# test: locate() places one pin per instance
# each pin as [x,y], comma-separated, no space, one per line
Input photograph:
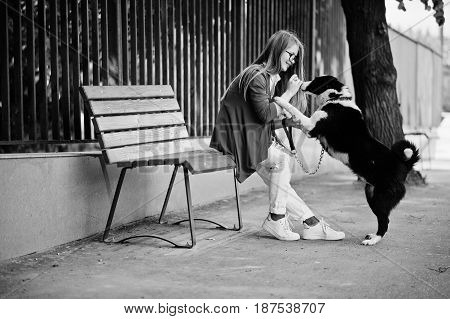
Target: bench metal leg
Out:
[114,203]
[169,191]
[220,226]
[189,205]
[191,219]
[105,176]
[238,206]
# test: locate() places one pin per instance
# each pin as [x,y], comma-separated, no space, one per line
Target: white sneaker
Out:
[279,228]
[321,231]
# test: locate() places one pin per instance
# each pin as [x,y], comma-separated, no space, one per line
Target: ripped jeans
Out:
[276,173]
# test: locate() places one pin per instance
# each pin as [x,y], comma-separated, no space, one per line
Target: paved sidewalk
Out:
[411,262]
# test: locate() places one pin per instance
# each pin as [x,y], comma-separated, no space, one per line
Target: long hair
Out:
[269,61]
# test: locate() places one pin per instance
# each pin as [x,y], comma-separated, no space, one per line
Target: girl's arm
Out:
[297,116]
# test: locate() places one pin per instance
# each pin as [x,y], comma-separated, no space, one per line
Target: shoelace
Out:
[325,226]
[287,224]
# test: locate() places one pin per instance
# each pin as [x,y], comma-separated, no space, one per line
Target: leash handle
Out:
[289,135]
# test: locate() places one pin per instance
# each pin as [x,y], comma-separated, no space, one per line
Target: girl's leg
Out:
[283,199]
[276,173]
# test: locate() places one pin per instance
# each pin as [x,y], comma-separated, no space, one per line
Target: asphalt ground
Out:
[412,261]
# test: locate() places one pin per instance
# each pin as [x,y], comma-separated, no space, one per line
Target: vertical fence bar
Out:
[30,75]
[163,37]
[236,36]
[95,39]
[186,66]
[54,39]
[217,61]
[76,69]
[85,61]
[198,106]
[141,45]
[179,54]
[118,41]
[124,40]
[296,14]
[105,43]
[18,115]
[85,40]
[204,116]
[65,96]
[228,48]
[157,40]
[264,15]
[272,29]
[312,40]
[258,27]
[223,77]
[212,70]
[193,52]
[149,38]
[249,31]
[42,87]
[274,9]
[255,7]
[278,14]
[242,35]
[255,29]
[171,44]
[133,41]
[4,69]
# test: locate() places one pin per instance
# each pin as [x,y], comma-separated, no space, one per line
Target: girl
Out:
[247,127]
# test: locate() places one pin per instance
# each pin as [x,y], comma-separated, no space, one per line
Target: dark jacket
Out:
[243,129]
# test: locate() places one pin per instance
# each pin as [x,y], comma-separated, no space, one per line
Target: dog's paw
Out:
[371,240]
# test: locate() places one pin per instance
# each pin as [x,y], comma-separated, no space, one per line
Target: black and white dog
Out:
[341,130]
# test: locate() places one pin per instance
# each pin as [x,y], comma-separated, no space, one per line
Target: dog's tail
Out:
[407,151]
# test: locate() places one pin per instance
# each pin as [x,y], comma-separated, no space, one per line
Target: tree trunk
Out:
[373,70]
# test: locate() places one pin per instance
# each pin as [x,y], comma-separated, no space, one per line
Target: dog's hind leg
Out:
[371,239]
[381,200]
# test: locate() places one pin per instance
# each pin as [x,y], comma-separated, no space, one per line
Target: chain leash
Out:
[302,166]
[295,155]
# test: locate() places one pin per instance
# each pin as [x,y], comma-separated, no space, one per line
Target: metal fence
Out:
[419,81]
[50,48]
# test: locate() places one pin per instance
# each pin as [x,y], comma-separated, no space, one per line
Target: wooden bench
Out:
[143,126]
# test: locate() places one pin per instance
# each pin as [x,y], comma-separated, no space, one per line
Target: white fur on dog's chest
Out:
[345,103]
[342,157]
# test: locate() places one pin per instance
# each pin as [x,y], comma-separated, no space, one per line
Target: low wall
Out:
[51,199]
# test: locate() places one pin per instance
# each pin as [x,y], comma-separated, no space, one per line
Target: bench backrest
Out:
[137,122]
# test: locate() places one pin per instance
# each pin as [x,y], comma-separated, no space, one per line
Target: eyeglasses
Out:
[292,56]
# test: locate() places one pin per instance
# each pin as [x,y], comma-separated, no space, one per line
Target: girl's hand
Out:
[293,84]
[286,114]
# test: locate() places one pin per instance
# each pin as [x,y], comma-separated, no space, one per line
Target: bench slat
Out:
[146,152]
[126,138]
[117,107]
[208,162]
[200,161]
[127,92]
[130,122]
